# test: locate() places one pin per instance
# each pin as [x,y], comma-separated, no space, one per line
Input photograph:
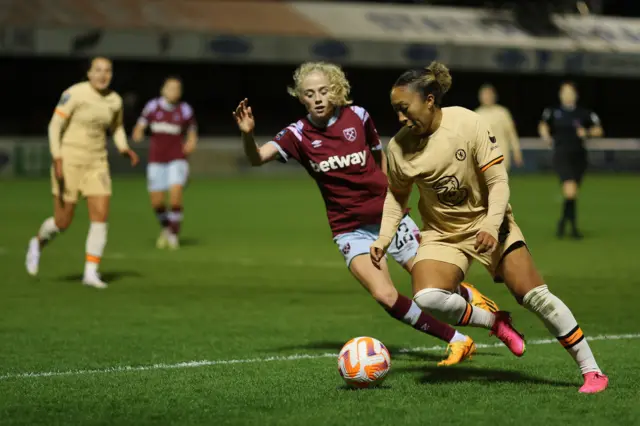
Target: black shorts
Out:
[570,165]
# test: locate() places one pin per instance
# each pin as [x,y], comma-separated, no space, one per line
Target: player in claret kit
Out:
[337,143]
[456,163]
[169,120]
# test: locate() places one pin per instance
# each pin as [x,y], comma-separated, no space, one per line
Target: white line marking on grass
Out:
[631,336]
[296,357]
[239,261]
[232,261]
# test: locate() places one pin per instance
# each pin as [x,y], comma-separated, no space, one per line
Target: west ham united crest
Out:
[350,134]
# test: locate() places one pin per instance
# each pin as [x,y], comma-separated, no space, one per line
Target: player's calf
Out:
[163,219]
[162,215]
[407,311]
[48,231]
[378,283]
[559,320]
[175,220]
[525,282]
[96,242]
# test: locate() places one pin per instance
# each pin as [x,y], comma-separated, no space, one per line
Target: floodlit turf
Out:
[260,295]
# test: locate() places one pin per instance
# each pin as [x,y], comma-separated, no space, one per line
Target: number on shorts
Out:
[403,236]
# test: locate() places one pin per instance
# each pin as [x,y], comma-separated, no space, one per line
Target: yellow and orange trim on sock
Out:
[572,338]
[466,316]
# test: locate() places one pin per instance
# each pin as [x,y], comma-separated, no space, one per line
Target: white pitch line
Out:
[238,261]
[630,336]
[296,357]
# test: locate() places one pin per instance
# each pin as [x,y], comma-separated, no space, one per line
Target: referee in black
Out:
[565,128]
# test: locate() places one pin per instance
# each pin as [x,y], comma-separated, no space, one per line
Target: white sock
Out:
[48,231]
[458,337]
[452,308]
[559,320]
[96,240]
[175,218]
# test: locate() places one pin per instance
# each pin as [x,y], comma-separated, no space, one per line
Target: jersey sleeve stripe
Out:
[360,112]
[142,121]
[492,163]
[187,111]
[283,155]
[377,147]
[150,107]
[295,131]
[61,113]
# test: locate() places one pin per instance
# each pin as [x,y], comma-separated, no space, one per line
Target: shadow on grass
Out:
[439,375]
[108,277]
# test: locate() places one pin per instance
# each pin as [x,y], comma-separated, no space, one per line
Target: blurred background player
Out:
[502,125]
[338,145]
[169,119]
[464,202]
[565,128]
[77,140]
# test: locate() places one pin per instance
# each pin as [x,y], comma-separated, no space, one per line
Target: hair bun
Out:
[441,75]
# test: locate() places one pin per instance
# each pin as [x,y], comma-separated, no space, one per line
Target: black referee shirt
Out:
[563,123]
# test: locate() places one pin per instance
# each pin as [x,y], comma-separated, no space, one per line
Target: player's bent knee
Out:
[385,296]
[63,218]
[429,273]
[442,304]
[539,299]
[62,223]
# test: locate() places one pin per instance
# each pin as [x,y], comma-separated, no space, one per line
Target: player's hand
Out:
[133,157]
[188,148]
[137,137]
[57,168]
[377,251]
[581,132]
[244,117]
[517,159]
[485,242]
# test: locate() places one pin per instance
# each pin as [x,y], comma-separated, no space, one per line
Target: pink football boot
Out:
[594,382]
[504,331]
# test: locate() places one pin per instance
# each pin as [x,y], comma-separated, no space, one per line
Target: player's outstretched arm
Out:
[544,131]
[63,111]
[55,133]
[257,156]
[191,141]
[120,138]
[395,205]
[496,178]
[514,140]
[138,131]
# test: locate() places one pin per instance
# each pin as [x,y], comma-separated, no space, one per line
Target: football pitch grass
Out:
[242,325]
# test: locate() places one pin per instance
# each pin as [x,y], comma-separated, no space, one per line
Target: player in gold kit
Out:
[454,159]
[502,125]
[77,140]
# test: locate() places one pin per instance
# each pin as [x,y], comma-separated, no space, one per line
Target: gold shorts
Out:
[87,179]
[463,253]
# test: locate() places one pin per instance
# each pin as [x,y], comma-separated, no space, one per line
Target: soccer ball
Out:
[364,362]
